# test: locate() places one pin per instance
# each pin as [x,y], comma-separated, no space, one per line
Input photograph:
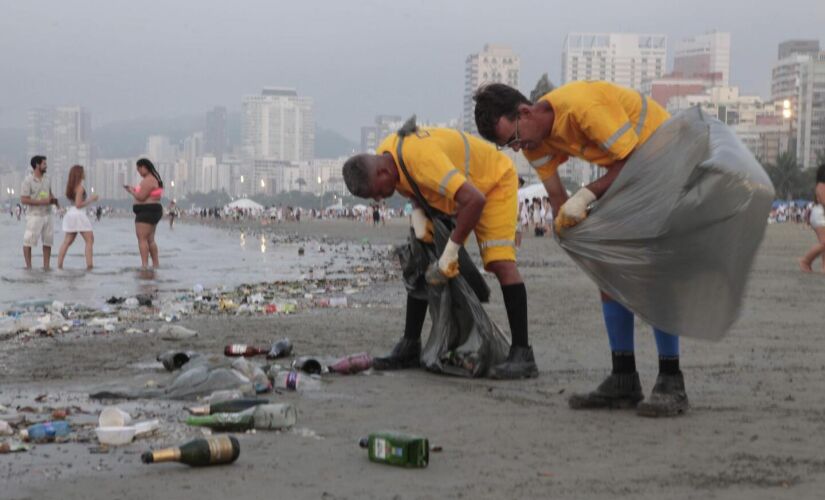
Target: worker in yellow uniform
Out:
[604,124]
[467,178]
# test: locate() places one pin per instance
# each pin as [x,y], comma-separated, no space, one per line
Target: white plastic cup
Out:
[112,416]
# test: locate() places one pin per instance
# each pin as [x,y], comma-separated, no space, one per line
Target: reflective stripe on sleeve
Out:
[442,186]
[466,154]
[497,243]
[642,115]
[540,162]
[616,136]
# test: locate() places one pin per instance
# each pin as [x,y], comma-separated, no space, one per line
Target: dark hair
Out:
[357,176]
[37,160]
[75,176]
[143,162]
[820,173]
[492,102]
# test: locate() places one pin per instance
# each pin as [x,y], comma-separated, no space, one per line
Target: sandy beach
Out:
[756,428]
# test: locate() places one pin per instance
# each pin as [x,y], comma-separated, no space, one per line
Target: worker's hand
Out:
[419,223]
[447,266]
[574,209]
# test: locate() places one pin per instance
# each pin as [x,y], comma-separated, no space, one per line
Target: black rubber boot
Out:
[520,363]
[667,399]
[619,390]
[405,354]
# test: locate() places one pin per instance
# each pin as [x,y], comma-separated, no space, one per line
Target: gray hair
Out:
[356,176]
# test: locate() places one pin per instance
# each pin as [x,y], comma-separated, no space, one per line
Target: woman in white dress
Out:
[817,222]
[76,221]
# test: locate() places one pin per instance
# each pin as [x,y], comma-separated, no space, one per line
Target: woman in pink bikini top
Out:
[148,210]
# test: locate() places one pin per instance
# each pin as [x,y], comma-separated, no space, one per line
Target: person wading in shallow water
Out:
[76,221]
[462,175]
[148,210]
[36,193]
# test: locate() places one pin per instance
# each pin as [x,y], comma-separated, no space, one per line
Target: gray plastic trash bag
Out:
[675,236]
[463,340]
[196,379]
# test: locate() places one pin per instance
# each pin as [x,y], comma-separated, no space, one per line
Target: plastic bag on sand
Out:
[197,379]
[463,340]
[674,237]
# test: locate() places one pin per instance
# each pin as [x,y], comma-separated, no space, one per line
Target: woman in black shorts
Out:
[148,210]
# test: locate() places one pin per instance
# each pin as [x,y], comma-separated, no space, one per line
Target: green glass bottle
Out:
[399,449]
[264,417]
[216,450]
[224,422]
[229,406]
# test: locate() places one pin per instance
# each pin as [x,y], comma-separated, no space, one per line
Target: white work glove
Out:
[574,209]
[447,266]
[419,223]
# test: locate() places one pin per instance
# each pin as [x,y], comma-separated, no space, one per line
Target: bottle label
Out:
[292,381]
[237,348]
[220,449]
[379,448]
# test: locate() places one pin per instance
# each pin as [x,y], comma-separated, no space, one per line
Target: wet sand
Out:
[756,428]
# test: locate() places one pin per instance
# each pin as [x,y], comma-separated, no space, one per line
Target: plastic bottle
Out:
[394,448]
[46,431]
[264,417]
[198,452]
[352,364]
[280,349]
[296,381]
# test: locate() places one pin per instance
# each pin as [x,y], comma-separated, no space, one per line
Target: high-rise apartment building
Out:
[798,86]
[802,47]
[63,135]
[215,133]
[278,125]
[704,56]
[627,59]
[160,149]
[494,64]
[372,135]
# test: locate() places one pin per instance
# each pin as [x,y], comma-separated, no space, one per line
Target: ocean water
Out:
[189,254]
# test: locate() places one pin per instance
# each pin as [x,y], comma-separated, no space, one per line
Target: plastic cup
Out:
[112,416]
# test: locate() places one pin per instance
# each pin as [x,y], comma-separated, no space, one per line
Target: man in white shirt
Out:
[36,192]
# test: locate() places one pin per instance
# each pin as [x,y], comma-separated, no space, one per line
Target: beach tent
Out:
[244,204]
[359,208]
[338,207]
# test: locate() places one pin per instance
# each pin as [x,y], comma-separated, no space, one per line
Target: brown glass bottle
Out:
[217,450]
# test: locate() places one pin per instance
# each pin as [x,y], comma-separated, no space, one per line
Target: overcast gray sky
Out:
[127,59]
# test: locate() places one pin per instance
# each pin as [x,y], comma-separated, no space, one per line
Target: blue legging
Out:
[619,322]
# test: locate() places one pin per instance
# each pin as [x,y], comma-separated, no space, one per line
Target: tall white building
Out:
[798,85]
[703,55]
[278,125]
[63,135]
[108,176]
[160,149]
[494,64]
[626,59]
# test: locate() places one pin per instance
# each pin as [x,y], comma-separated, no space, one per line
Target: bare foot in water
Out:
[805,266]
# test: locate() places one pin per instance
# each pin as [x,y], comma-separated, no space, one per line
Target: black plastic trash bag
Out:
[463,340]
[674,237]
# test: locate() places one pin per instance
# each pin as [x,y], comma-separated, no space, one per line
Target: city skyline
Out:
[145,65]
